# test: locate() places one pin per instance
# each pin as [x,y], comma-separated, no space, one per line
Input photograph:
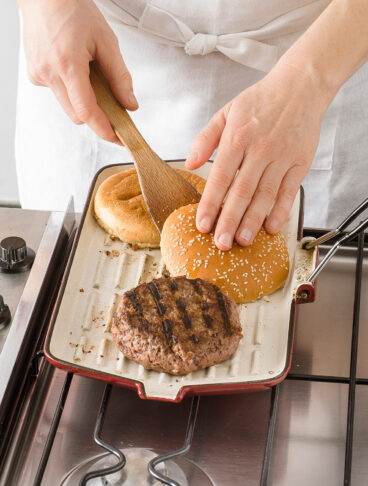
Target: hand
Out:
[266,138]
[61,37]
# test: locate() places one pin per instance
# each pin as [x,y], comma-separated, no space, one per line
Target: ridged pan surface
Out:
[102,269]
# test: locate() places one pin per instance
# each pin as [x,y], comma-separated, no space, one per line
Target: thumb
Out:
[206,141]
[111,61]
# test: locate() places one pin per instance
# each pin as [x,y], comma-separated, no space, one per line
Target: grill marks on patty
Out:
[206,317]
[167,325]
[134,299]
[222,305]
[159,290]
[155,292]
[196,286]
[176,325]
[208,320]
[132,296]
[180,304]
[167,328]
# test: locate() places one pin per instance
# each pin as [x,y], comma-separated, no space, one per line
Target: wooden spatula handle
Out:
[121,122]
[163,189]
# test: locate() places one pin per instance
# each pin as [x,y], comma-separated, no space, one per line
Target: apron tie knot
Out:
[201,44]
[242,47]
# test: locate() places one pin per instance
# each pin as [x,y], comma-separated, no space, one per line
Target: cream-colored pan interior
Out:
[102,269]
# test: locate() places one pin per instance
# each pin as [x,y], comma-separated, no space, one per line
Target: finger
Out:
[285,199]
[261,203]
[34,78]
[206,142]
[237,201]
[110,60]
[60,92]
[227,161]
[83,101]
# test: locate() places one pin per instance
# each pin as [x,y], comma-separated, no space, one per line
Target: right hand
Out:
[61,37]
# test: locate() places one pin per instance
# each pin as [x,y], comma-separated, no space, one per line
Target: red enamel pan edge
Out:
[215,389]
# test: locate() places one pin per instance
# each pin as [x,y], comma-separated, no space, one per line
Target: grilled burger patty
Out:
[176,325]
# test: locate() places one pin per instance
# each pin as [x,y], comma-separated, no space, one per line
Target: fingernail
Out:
[205,224]
[193,157]
[225,240]
[133,99]
[245,234]
[274,224]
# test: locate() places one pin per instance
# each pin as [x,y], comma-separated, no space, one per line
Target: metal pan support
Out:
[360,228]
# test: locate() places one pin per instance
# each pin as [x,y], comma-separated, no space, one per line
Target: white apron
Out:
[187,60]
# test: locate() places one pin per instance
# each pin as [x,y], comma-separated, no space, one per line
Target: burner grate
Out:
[353,363]
[171,455]
[53,428]
[101,473]
[96,435]
[350,380]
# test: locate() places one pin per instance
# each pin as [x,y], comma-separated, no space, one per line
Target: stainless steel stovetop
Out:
[310,430]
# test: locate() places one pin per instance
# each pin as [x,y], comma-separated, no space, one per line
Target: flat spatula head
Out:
[163,189]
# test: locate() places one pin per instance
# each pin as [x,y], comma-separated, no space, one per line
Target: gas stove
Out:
[58,429]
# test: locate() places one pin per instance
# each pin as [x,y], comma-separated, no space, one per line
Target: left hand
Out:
[266,138]
[61,37]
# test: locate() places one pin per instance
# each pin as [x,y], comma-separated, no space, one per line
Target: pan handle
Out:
[306,264]
[352,216]
[349,236]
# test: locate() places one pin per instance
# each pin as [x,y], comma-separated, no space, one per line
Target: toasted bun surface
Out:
[121,211]
[243,273]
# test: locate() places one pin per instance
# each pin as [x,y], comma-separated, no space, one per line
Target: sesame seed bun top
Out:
[243,273]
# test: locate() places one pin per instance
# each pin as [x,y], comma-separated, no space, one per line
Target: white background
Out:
[9,46]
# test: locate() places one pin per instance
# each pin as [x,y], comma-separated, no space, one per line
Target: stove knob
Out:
[4,314]
[13,250]
[15,257]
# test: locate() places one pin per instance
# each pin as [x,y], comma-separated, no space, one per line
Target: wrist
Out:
[24,4]
[304,77]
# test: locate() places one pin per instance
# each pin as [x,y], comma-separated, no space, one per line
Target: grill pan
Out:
[100,269]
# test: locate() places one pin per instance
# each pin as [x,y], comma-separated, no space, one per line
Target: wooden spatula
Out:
[163,189]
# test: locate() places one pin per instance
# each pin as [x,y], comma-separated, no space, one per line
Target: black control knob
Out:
[4,314]
[13,250]
[15,257]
